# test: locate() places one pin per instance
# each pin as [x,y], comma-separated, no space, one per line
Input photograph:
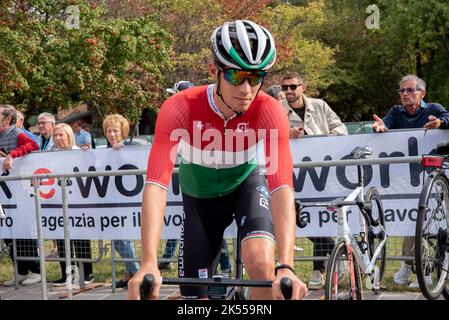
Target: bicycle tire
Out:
[242,293]
[338,284]
[374,234]
[430,256]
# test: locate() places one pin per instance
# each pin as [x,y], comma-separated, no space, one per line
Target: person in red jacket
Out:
[15,143]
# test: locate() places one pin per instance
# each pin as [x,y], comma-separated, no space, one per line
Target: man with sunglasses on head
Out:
[413,113]
[308,115]
[217,186]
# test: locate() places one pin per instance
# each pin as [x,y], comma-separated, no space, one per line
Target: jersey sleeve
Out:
[171,125]
[278,157]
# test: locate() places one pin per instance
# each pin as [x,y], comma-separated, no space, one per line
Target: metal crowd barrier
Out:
[41,257]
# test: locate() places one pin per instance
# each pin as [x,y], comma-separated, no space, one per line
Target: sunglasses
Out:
[408,90]
[292,87]
[237,77]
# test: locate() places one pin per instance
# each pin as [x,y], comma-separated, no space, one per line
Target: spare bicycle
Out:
[432,227]
[359,254]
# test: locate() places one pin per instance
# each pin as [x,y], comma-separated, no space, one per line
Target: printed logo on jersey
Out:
[242,222]
[202,273]
[242,127]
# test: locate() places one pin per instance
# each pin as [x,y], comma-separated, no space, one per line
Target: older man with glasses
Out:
[46,123]
[413,113]
[307,115]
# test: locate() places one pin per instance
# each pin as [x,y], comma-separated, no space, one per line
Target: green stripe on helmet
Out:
[244,65]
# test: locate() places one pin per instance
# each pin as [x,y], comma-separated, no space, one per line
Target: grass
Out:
[102,269]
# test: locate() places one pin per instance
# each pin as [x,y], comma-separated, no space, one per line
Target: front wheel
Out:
[432,239]
[343,280]
[376,234]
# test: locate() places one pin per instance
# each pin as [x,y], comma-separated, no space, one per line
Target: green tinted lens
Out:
[237,77]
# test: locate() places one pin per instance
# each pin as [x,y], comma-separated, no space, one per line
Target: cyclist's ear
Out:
[213,70]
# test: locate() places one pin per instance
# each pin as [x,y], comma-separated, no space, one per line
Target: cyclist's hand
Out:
[135,282]
[299,289]
[378,125]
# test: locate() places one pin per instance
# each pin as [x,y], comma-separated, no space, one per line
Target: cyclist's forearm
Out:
[153,205]
[282,204]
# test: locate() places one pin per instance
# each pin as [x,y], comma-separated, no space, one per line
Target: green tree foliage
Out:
[116,64]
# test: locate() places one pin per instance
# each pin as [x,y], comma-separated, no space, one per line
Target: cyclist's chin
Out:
[241,105]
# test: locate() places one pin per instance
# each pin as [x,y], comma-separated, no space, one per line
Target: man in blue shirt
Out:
[414,112]
[83,139]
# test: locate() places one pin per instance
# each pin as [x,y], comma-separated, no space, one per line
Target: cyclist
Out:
[209,126]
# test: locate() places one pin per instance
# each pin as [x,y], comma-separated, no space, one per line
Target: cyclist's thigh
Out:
[201,236]
[253,209]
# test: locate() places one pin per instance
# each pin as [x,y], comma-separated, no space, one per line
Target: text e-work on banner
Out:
[109,207]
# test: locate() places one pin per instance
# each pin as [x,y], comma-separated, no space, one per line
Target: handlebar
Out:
[148,281]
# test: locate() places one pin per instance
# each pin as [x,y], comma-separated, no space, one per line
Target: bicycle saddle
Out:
[361,152]
[442,148]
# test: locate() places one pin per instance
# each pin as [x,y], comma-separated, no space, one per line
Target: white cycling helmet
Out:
[243,44]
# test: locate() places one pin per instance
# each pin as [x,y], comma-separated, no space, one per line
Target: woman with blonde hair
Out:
[116,130]
[64,139]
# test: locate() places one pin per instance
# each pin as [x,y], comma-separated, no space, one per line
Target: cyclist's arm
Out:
[280,182]
[159,171]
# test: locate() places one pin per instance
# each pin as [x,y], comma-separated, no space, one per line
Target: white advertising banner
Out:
[109,207]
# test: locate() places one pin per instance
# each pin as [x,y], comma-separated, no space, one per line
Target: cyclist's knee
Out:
[259,265]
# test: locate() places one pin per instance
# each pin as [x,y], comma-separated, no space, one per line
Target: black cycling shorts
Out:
[205,220]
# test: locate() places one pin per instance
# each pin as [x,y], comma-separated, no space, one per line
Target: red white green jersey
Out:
[216,155]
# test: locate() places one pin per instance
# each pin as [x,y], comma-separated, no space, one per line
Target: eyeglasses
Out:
[237,77]
[41,123]
[408,90]
[292,87]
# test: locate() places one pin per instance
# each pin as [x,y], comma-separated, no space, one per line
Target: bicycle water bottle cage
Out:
[361,242]
[361,152]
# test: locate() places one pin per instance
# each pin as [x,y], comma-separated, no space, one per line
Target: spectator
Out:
[83,139]
[88,128]
[413,113]
[179,86]
[64,140]
[311,117]
[307,115]
[46,123]
[171,244]
[19,124]
[116,130]
[15,143]
[276,92]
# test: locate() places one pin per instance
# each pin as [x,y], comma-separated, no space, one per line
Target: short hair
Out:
[9,110]
[86,125]
[117,119]
[69,131]
[19,115]
[274,91]
[420,83]
[293,75]
[48,116]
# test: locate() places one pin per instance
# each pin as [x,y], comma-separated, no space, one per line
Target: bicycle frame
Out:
[356,197]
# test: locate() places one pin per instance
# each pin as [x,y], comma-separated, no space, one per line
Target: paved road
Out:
[104,292]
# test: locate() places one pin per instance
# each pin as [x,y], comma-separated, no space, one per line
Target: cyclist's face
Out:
[239,97]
